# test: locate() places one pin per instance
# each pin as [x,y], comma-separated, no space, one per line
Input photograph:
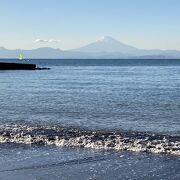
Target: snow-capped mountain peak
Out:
[107,44]
[107,39]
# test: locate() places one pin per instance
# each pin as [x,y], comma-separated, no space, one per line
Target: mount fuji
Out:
[108,44]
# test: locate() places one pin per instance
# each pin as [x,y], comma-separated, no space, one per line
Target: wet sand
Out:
[20,161]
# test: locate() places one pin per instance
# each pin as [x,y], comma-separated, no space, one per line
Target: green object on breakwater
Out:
[20,57]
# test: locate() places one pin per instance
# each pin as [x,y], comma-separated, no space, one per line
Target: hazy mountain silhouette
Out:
[106,47]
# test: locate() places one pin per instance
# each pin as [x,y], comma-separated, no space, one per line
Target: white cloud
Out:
[47,41]
[53,40]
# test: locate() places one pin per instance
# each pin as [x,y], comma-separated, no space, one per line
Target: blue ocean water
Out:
[140,95]
[104,105]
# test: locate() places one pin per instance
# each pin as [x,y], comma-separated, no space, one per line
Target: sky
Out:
[68,24]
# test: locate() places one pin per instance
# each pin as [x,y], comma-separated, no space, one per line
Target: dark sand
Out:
[50,162]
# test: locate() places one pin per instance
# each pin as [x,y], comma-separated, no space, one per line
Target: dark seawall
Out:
[17,66]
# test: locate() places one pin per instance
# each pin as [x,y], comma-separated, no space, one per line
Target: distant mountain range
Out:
[104,48]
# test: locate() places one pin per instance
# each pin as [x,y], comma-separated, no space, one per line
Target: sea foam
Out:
[98,139]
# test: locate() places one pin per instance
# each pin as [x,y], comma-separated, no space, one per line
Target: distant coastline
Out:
[105,48]
[137,58]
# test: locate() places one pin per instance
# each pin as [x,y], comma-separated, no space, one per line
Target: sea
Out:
[91,119]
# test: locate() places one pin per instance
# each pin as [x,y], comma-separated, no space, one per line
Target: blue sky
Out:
[145,24]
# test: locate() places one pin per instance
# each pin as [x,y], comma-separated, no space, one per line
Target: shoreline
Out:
[74,137]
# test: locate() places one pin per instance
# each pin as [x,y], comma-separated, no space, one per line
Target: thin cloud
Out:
[47,41]
[53,41]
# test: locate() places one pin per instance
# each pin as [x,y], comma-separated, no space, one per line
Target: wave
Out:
[96,139]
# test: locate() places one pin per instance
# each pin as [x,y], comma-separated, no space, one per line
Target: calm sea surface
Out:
[142,95]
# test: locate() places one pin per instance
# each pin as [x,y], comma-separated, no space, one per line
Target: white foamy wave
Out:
[74,137]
